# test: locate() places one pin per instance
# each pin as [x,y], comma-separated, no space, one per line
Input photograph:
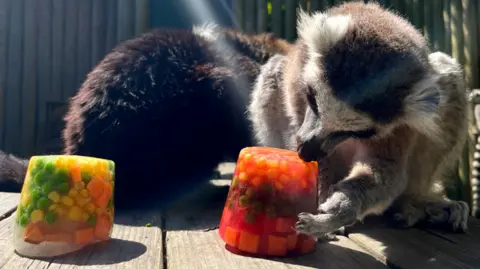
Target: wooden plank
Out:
[418,14]
[250,16]
[437,27]
[186,226]
[290,20]
[29,79]
[262,16]
[8,202]
[44,69]
[111,24]
[428,22]
[277,18]
[133,245]
[84,44]
[412,248]
[57,92]
[447,34]
[141,16]
[125,19]
[456,22]
[13,94]
[3,64]
[71,48]
[99,31]
[470,24]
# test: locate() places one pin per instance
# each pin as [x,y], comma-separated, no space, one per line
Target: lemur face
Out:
[364,72]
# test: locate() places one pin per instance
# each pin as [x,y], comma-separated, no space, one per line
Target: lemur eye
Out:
[310,94]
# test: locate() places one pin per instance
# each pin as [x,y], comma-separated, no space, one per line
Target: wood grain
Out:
[8,203]
[133,245]
[415,248]
[193,223]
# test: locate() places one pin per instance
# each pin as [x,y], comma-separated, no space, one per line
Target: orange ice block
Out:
[270,188]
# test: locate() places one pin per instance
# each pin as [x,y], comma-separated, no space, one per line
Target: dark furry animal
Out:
[167,107]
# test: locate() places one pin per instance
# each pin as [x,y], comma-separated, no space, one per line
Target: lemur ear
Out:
[422,104]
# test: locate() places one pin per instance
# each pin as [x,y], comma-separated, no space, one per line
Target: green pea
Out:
[21,209]
[30,209]
[50,168]
[35,195]
[86,176]
[34,171]
[48,187]
[61,176]
[257,207]
[23,220]
[111,166]
[39,179]
[249,192]
[110,203]
[63,188]
[92,220]
[243,200]
[50,217]
[39,163]
[249,218]
[43,203]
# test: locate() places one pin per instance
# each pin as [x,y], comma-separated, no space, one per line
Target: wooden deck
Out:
[186,237]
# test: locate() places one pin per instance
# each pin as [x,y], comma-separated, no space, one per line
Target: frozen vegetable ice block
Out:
[66,203]
[270,188]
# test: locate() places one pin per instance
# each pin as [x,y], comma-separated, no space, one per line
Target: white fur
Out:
[321,31]
[208,31]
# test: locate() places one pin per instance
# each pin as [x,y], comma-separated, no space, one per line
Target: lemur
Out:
[167,107]
[360,92]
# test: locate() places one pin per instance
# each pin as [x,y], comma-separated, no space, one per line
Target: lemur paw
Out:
[308,225]
[338,211]
[453,214]
[408,216]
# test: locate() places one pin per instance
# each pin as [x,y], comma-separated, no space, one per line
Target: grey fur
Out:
[403,165]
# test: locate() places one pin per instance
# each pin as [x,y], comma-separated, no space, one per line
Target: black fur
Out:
[167,107]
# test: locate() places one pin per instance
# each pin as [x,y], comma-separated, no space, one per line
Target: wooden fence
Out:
[46,49]
[451,26]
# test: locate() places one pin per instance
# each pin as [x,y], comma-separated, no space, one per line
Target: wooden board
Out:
[8,203]
[133,245]
[415,248]
[193,222]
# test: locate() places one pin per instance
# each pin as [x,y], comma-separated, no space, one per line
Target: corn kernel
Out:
[272,163]
[90,208]
[84,193]
[75,213]
[68,201]
[85,216]
[100,211]
[71,163]
[25,200]
[37,215]
[79,185]
[243,176]
[81,201]
[60,162]
[52,207]
[73,193]
[54,196]
[60,211]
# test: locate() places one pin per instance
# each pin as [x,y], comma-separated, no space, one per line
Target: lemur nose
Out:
[309,150]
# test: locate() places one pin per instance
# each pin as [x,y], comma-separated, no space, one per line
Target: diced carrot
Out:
[284,225]
[95,187]
[59,237]
[76,174]
[292,241]
[84,236]
[272,174]
[33,234]
[248,242]
[277,245]
[307,244]
[102,200]
[102,228]
[231,236]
